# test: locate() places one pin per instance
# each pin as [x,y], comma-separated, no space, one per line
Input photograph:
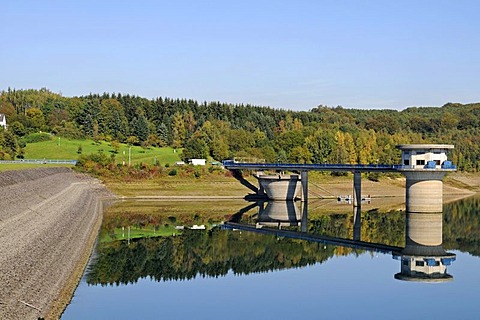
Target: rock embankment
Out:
[49,219]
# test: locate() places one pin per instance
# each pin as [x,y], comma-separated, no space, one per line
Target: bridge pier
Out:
[357,189]
[304,181]
[424,191]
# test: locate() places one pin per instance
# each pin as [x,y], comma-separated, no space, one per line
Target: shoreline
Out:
[65,296]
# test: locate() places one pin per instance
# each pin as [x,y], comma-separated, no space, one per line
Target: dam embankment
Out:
[49,219]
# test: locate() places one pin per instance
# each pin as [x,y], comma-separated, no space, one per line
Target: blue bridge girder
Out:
[354,244]
[231,165]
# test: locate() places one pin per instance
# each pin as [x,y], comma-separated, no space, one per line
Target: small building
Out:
[198,227]
[3,120]
[198,162]
[425,156]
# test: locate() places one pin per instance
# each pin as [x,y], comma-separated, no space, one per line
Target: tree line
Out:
[223,130]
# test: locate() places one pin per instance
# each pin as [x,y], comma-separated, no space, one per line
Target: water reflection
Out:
[422,259]
[137,280]
[281,235]
[279,214]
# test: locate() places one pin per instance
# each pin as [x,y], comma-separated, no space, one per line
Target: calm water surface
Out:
[220,273]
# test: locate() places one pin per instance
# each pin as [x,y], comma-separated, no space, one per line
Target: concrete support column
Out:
[424,191]
[357,189]
[304,180]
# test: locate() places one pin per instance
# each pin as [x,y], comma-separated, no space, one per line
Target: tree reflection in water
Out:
[216,252]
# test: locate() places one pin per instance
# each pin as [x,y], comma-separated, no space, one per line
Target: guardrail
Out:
[39,161]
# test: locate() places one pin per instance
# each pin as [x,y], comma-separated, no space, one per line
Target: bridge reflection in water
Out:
[422,259]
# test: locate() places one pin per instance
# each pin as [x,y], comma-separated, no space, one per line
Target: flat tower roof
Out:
[424,146]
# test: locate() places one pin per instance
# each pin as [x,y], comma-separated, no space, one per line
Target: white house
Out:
[3,120]
[198,162]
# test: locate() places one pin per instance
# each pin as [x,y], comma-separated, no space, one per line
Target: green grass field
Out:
[135,233]
[62,148]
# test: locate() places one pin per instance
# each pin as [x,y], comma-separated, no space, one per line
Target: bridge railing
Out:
[233,163]
[328,166]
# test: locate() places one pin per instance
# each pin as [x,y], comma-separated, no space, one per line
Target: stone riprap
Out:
[49,218]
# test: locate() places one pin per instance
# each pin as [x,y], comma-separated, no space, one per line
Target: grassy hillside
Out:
[68,149]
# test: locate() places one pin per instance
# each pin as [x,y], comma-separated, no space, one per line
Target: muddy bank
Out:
[49,219]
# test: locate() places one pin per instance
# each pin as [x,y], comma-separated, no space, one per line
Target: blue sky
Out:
[284,54]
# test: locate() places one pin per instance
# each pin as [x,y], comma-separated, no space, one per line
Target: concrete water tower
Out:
[424,166]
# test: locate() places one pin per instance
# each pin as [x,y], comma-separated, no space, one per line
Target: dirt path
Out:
[48,223]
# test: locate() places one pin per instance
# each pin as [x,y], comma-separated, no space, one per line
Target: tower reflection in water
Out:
[423,259]
[278,214]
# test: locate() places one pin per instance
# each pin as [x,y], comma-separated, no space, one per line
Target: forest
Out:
[218,131]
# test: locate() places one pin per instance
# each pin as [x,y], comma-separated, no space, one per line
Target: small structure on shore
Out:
[198,162]
[3,120]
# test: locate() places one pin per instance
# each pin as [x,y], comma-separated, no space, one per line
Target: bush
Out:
[374,176]
[37,137]
[90,161]
[172,172]
[197,174]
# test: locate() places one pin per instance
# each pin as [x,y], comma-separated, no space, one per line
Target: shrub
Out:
[197,174]
[94,161]
[172,172]
[37,137]
[374,176]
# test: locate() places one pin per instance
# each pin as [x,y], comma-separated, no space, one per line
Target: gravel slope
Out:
[48,222]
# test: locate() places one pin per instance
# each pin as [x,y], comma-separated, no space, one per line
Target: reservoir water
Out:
[281,260]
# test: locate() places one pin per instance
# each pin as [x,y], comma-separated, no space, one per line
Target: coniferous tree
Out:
[141,128]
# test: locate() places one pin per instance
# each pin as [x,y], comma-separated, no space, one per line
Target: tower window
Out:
[420,263]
